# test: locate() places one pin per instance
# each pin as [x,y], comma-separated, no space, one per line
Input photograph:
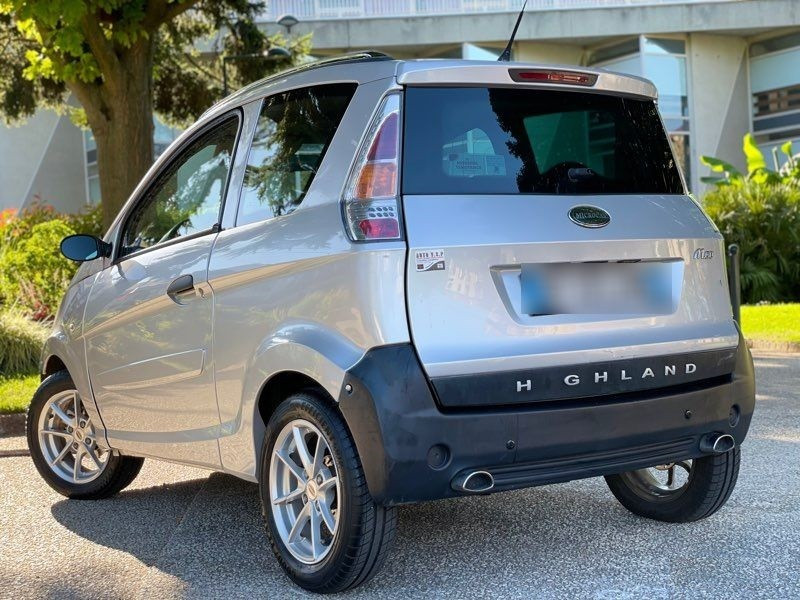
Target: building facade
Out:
[722,67]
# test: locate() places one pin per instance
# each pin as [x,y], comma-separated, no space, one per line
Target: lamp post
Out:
[275,53]
[287,21]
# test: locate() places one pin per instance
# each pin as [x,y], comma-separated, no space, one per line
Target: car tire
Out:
[49,437]
[710,482]
[363,530]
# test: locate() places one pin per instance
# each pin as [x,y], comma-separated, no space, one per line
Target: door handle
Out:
[184,283]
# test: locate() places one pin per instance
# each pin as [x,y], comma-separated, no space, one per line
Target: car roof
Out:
[362,67]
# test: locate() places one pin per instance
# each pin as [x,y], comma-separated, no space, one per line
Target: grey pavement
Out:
[180,532]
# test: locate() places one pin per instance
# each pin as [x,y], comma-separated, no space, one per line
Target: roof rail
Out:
[361,56]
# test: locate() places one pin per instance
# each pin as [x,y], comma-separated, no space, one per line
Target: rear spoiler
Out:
[520,74]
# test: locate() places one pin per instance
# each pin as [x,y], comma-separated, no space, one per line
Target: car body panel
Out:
[65,342]
[287,301]
[149,355]
[467,318]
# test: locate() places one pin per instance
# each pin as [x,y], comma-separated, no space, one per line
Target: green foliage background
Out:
[760,211]
[21,342]
[33,273]
[764,220]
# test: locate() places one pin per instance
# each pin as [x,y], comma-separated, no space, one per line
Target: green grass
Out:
[772,322]
[16,392]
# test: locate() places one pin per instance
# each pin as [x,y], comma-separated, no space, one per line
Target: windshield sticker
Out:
[429,260]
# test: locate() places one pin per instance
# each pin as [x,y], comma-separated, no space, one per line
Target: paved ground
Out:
[179,532]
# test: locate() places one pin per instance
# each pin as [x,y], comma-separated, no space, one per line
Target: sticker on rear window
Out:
[462,164]
[429,260]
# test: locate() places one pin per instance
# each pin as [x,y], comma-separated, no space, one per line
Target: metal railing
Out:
[321,10]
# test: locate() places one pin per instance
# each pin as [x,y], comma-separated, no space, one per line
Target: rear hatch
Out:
[553,251]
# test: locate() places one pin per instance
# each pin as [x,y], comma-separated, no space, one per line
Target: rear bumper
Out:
[412,450]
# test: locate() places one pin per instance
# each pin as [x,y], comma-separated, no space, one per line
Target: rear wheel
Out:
[63,443]
[678,492]
[325,529]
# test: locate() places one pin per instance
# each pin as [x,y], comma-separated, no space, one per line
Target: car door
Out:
[148,321]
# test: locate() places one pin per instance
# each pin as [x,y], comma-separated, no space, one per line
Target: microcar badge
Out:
[589,216]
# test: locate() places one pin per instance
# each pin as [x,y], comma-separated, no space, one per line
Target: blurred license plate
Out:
[600,288]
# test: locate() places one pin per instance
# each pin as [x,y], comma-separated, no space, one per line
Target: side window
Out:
[292,135]
[187,196]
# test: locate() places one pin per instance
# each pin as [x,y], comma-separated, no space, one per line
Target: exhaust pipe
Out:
[473,482]
[717,443]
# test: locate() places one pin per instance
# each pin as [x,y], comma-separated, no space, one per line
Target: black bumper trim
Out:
[395,421]
[590,465]
[592,380]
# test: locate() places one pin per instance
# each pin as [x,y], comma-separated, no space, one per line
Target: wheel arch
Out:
[52,364]
[298,356]
[62,353]
[275,390]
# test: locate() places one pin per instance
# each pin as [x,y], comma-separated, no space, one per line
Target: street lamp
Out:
[287,21]
[274,53]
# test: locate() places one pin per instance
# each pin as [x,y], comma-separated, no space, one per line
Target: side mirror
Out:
[83,247]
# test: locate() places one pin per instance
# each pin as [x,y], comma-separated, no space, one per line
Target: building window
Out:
[775,92]
[92,176]
[663,61]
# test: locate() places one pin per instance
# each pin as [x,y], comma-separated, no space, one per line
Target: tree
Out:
[124,59]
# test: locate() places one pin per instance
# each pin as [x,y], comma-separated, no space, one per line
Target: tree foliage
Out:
[123,59]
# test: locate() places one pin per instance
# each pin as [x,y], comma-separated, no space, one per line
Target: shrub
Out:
[757,169]
[21,341]
[18,224]
[764,220]
[89,221]
[33,273]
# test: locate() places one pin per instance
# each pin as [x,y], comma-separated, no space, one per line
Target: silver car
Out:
[369,282]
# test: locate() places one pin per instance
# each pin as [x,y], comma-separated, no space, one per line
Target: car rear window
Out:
[510,141]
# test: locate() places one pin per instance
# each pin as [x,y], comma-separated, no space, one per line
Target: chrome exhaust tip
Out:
[717,443]
[473,482]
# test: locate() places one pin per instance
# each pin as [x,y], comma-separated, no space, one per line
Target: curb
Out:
[771,346]
[11,425]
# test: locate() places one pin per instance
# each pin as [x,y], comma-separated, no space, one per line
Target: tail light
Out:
[371,200]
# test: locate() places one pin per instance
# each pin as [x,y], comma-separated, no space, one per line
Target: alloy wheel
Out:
[68,441]
[305,491]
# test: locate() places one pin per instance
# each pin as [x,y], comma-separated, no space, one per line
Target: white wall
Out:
[21,150]
[548,53]
[43,157]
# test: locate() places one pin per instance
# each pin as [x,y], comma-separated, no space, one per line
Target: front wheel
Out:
[678,492]
[64,447]
[325,529]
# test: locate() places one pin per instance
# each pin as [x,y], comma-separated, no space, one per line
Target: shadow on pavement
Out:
[210,535]
[139,521]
